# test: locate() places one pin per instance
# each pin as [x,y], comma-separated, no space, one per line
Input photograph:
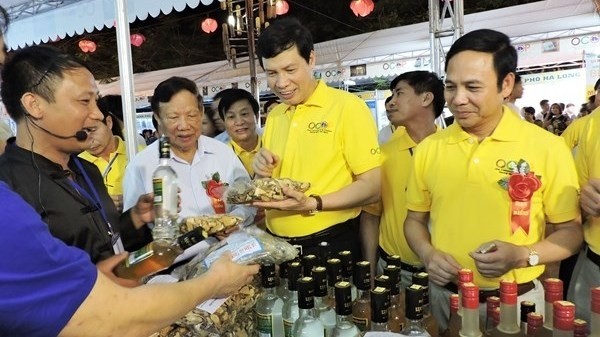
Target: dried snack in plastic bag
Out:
[262,189]
[250,245]
[210,223]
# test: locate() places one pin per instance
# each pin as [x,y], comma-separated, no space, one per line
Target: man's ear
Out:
[32,104]
[427,99]
[109,121]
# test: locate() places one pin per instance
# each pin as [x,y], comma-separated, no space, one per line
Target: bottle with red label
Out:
[455,318]
[563,320]
[553,291]
[508,325]
[534,323]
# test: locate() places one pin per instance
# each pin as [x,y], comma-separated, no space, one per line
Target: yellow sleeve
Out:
[361,147]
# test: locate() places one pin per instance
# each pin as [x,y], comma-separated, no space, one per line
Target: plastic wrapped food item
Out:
[262,189]
[250,245]
[210,224]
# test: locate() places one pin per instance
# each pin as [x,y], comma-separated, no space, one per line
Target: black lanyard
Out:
[94,198]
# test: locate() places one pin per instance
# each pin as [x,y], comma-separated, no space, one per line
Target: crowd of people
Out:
[73,205]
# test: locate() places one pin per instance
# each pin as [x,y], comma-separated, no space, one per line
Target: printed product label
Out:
[157,188]
[361,323]
[264,325]
[241,245]
[287,328]
[139,255]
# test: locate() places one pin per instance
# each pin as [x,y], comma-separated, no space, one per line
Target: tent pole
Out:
[126,77]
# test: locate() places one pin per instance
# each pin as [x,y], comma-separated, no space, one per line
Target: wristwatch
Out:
[534,257]
[319,204]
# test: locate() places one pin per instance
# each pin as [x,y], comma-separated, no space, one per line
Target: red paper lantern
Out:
[137,39]
[87,46]
[362,8]
[209,25]
[281,7]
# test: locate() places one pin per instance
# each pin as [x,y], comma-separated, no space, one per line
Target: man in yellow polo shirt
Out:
[489,178]
[239,111]
[587,271]
[574,131]
[107,152]
[417,99]
[320,135]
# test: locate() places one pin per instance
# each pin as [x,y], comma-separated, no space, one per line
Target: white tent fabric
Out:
[83,16]
[530,23]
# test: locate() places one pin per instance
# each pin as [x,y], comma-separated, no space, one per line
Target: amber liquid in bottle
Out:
[361,308]
[429,322]
[396,316]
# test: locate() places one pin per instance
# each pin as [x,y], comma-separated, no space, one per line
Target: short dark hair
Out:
[4,20]
[424,81]
[36,69]
[236,95]
[389,98]
[544,101]
[105,106]
[518,78]
[488,41]
[529,109]
[282,35]
[168,88]
[112,104]
[269,103]
[221,93]
[597,84]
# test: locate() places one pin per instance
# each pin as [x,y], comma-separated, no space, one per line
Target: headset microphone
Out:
[79,135]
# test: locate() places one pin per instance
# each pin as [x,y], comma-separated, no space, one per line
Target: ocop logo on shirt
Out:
[318,127]
[375,151]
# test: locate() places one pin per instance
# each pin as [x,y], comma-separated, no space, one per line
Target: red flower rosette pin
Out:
[215,189]
[521,184]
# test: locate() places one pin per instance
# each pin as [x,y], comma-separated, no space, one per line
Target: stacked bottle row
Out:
[337,300]
[501,313]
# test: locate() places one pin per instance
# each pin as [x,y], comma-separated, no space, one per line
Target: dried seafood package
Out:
[251,245]
[210,224]
[262,189]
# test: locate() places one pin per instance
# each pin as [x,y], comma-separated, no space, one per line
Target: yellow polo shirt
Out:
[327,141]
[246,157]
[456,179]
[397,160]
[587,159]
[573,132]
[112,170]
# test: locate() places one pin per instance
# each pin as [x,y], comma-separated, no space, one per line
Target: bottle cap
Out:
[526,308]
[454,299]
[308,263]
[362,275]
[422,279]
[320,276]
[294,273]
[164,147]
[470,296]
[580,328]
[305,293]
[394,260]
[414,302]
[346,257]
[334,271]
[379,309]
[384,281]
[343,298]
[324,252]
[465,275]
[267,273]
[491,303]
[564,315]
[508,292]
[553,290]
[393,272]
[596,300]
[534,322]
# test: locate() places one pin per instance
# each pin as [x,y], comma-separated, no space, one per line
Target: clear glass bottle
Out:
[282,288]
[348,270]
[470,315]
[396,316]
[268,308]
[397,300]
[414,312]
[308,263]
[492,302]
[509,324]
[526,308]
[534,323]
[595,313]
[334,275]
[164,186]
[325,313]
[379,309]
[290,311]
[429,322]
[580,328]
[464,276]
[156,256]
[553,291]
[343,297]
[564,317]
[308,324]
[455,319]
[361,308]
